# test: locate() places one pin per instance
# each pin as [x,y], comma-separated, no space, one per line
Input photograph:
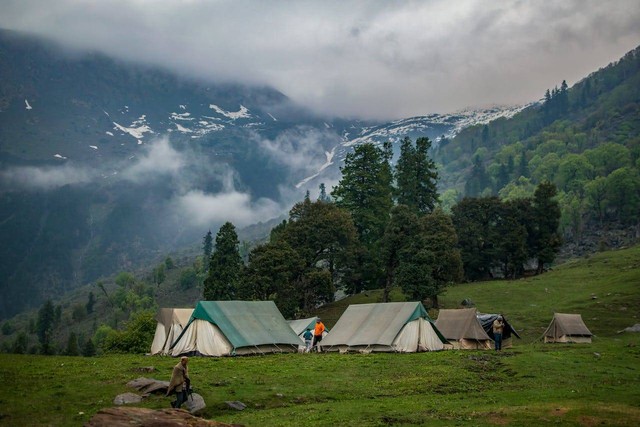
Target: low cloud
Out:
[301,150]
[44,178]
[158,159]
[204,209]
[367,59]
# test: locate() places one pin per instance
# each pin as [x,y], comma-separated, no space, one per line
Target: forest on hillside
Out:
[584,139]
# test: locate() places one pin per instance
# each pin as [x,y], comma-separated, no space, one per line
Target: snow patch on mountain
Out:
[181,116]
[243,112]
[137,129]
[330,155]
[182,128]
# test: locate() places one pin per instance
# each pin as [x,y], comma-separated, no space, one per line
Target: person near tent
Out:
[498,327]
[308,339]
[179,382]
[317,333]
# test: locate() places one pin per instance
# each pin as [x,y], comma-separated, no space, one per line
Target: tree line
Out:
[382,227]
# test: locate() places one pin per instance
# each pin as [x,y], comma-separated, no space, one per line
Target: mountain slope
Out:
[105,166]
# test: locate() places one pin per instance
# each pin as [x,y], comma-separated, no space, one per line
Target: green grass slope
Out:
[529,384]
[604,288]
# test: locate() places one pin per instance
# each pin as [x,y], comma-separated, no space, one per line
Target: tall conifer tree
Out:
[225,266]
[365,190]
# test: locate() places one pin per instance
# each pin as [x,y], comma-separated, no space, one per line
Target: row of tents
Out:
[226,328]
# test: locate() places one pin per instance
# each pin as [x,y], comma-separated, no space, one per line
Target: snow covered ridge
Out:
[433,125]
[451,124]
[470,117]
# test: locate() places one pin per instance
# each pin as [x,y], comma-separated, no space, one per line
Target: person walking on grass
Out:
[317,333]
[498,327]
[308,339]
[179,382]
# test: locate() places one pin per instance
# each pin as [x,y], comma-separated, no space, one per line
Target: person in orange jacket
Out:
[317,332]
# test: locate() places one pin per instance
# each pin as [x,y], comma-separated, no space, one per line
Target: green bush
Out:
[137,336]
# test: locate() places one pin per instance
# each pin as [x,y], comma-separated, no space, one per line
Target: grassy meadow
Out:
[529,384]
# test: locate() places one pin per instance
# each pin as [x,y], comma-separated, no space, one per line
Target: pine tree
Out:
[89,349]
[546,218]
[426,178]
[563,98]
[398,237]
[365,190]
[72,345]
[405,175]
[45,324]
[225,266]
[478,179]
[90,303]
[440,241]
[416,177]
[323,193]
[207,248]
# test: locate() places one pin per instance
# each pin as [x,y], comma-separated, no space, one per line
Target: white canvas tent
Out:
[301,325]
[385,327]
[462,329]
[171,322]
[228,328]
[567,328]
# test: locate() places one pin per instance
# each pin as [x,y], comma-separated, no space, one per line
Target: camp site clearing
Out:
[532,383]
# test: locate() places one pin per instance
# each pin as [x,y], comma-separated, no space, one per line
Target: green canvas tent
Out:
[389,327]
[171,322]
[228,328]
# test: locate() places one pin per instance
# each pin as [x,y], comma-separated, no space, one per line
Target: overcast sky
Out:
[370,59]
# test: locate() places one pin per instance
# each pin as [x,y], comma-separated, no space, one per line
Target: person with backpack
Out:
[180,382]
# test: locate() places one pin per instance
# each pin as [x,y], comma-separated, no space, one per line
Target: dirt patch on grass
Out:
[497,419]
[588,421]
[559,412]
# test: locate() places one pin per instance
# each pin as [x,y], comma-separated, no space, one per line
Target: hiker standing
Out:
[498,327]
[179,382]
[317,332]
[308,338]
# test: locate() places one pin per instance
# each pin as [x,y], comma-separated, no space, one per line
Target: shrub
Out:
[137,336]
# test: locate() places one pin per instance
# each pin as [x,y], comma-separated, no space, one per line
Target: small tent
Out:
[171,322]
[463,329]
[390,327]
[229,328]
[486,320]
[567,328]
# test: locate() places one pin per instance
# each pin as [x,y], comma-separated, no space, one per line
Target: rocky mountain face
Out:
[106,165]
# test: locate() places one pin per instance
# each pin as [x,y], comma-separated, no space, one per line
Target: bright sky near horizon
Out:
[368,59]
